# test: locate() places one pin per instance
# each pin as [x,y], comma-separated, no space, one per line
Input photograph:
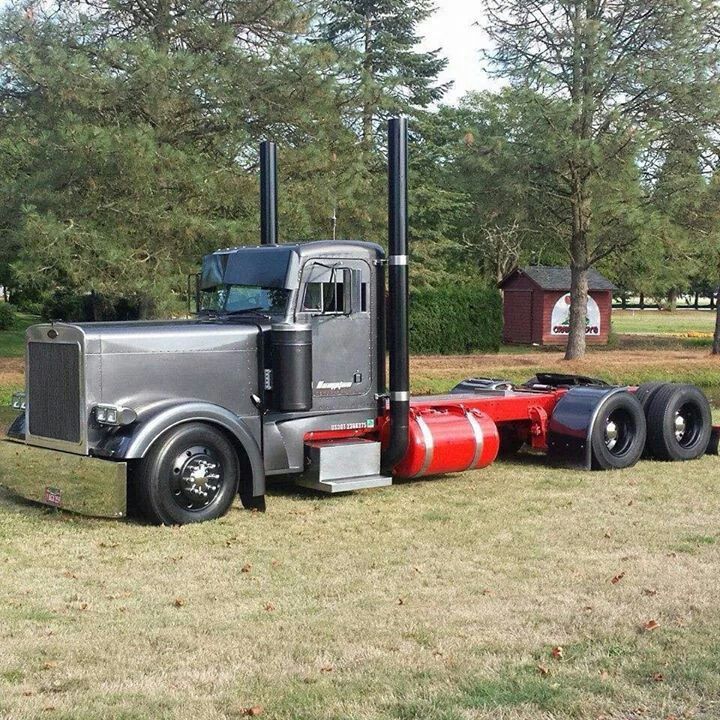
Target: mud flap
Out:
[571,424]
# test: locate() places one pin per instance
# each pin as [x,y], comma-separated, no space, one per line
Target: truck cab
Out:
[286,344]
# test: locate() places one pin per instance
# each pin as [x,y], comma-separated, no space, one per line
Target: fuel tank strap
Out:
[479,440]
[429,445]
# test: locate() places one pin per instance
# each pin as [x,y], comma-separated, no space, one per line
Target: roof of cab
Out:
[276,265]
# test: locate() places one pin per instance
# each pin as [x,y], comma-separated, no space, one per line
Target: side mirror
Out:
[193,291]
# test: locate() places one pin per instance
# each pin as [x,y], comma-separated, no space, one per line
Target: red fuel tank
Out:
[448,438]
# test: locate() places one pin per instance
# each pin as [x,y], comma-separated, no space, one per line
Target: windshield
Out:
[245,298]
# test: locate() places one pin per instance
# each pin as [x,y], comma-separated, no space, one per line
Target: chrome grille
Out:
[54,390]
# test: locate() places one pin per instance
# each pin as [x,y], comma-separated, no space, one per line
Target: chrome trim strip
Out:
[429,446]
[400,396]
[479,439]
[398,260]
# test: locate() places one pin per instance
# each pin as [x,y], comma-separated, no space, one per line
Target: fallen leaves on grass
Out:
[253,711]
[658,677]
[269,607]
[178,602]
[246,568]
[557,652]
[651,625]
[617,578]
[650,592]
[544,671]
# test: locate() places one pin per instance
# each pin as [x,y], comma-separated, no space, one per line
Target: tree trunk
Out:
[368,108]
[579,265]
[716,336]
[696,302]
[578,312]
[672,300]
[642,301]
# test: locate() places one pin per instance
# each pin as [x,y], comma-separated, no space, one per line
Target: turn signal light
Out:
[114,415]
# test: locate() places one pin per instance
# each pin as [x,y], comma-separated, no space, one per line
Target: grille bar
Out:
[54,390]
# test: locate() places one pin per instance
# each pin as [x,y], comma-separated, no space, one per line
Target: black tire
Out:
[646,392]
[190,474]
[618,435]
[679,423]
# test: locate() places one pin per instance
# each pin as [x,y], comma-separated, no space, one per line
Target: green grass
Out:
[436,599]
[12,342]
[661,322]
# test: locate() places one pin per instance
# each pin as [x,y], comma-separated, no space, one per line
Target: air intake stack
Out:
[397,325]
[268,194]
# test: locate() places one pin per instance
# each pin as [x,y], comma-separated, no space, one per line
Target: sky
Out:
[452,29]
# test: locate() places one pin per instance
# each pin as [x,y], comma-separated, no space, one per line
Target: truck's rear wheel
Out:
[618,435]
[679,423]
[646,392]
[190,474]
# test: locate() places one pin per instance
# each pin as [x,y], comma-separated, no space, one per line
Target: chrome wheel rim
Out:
[619,432]
[687,424]
[611,434]
[680,427]
[197,478]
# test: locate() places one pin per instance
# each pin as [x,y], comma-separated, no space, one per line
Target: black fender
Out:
[132,442]
[572,422]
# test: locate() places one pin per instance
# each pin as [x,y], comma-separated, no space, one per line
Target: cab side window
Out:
[327,291]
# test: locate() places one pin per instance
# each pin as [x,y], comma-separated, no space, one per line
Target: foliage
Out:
[455,319]
[611,80]
[8,316]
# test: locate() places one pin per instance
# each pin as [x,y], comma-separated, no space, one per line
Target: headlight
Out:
[18,400]
[114,415]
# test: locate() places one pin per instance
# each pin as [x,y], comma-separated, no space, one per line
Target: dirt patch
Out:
[12,371]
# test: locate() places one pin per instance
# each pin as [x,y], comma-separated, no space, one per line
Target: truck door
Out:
[337,299]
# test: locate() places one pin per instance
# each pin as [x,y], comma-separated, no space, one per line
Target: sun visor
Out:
[272,266]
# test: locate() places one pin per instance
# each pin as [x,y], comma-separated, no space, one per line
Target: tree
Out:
[623,72]
[129,135]
[381,68]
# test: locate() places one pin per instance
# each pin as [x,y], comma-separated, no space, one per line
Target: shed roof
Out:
[557,278]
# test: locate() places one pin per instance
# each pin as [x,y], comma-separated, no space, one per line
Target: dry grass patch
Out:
[436,599]
[437,373]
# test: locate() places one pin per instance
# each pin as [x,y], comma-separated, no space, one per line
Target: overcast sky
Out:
[452,29]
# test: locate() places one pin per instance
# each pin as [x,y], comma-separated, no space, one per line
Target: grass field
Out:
[519,592]
[654,322]
[438,599]
[12,342]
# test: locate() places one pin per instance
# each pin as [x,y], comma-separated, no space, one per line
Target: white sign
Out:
[560,320]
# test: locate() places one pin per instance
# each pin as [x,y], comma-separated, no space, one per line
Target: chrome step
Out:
[347,484]
[334,466]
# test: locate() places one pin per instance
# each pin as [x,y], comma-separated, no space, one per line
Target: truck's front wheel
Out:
[190,474]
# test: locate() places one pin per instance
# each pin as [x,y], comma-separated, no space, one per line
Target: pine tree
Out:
[130,133]
[384,73]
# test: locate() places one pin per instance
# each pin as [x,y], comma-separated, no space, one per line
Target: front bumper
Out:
[78,483]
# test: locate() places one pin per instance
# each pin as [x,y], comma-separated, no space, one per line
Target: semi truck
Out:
[281,374]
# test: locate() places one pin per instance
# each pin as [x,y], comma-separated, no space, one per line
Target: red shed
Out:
[536,305]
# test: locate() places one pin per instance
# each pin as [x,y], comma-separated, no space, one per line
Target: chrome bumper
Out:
[78,483]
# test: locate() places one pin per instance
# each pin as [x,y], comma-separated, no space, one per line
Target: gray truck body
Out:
[216,368]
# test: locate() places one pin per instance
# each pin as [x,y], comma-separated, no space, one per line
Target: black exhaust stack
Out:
[398,285]
[268,194]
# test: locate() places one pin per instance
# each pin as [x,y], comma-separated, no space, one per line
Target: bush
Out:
[8,316]
[455,319]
